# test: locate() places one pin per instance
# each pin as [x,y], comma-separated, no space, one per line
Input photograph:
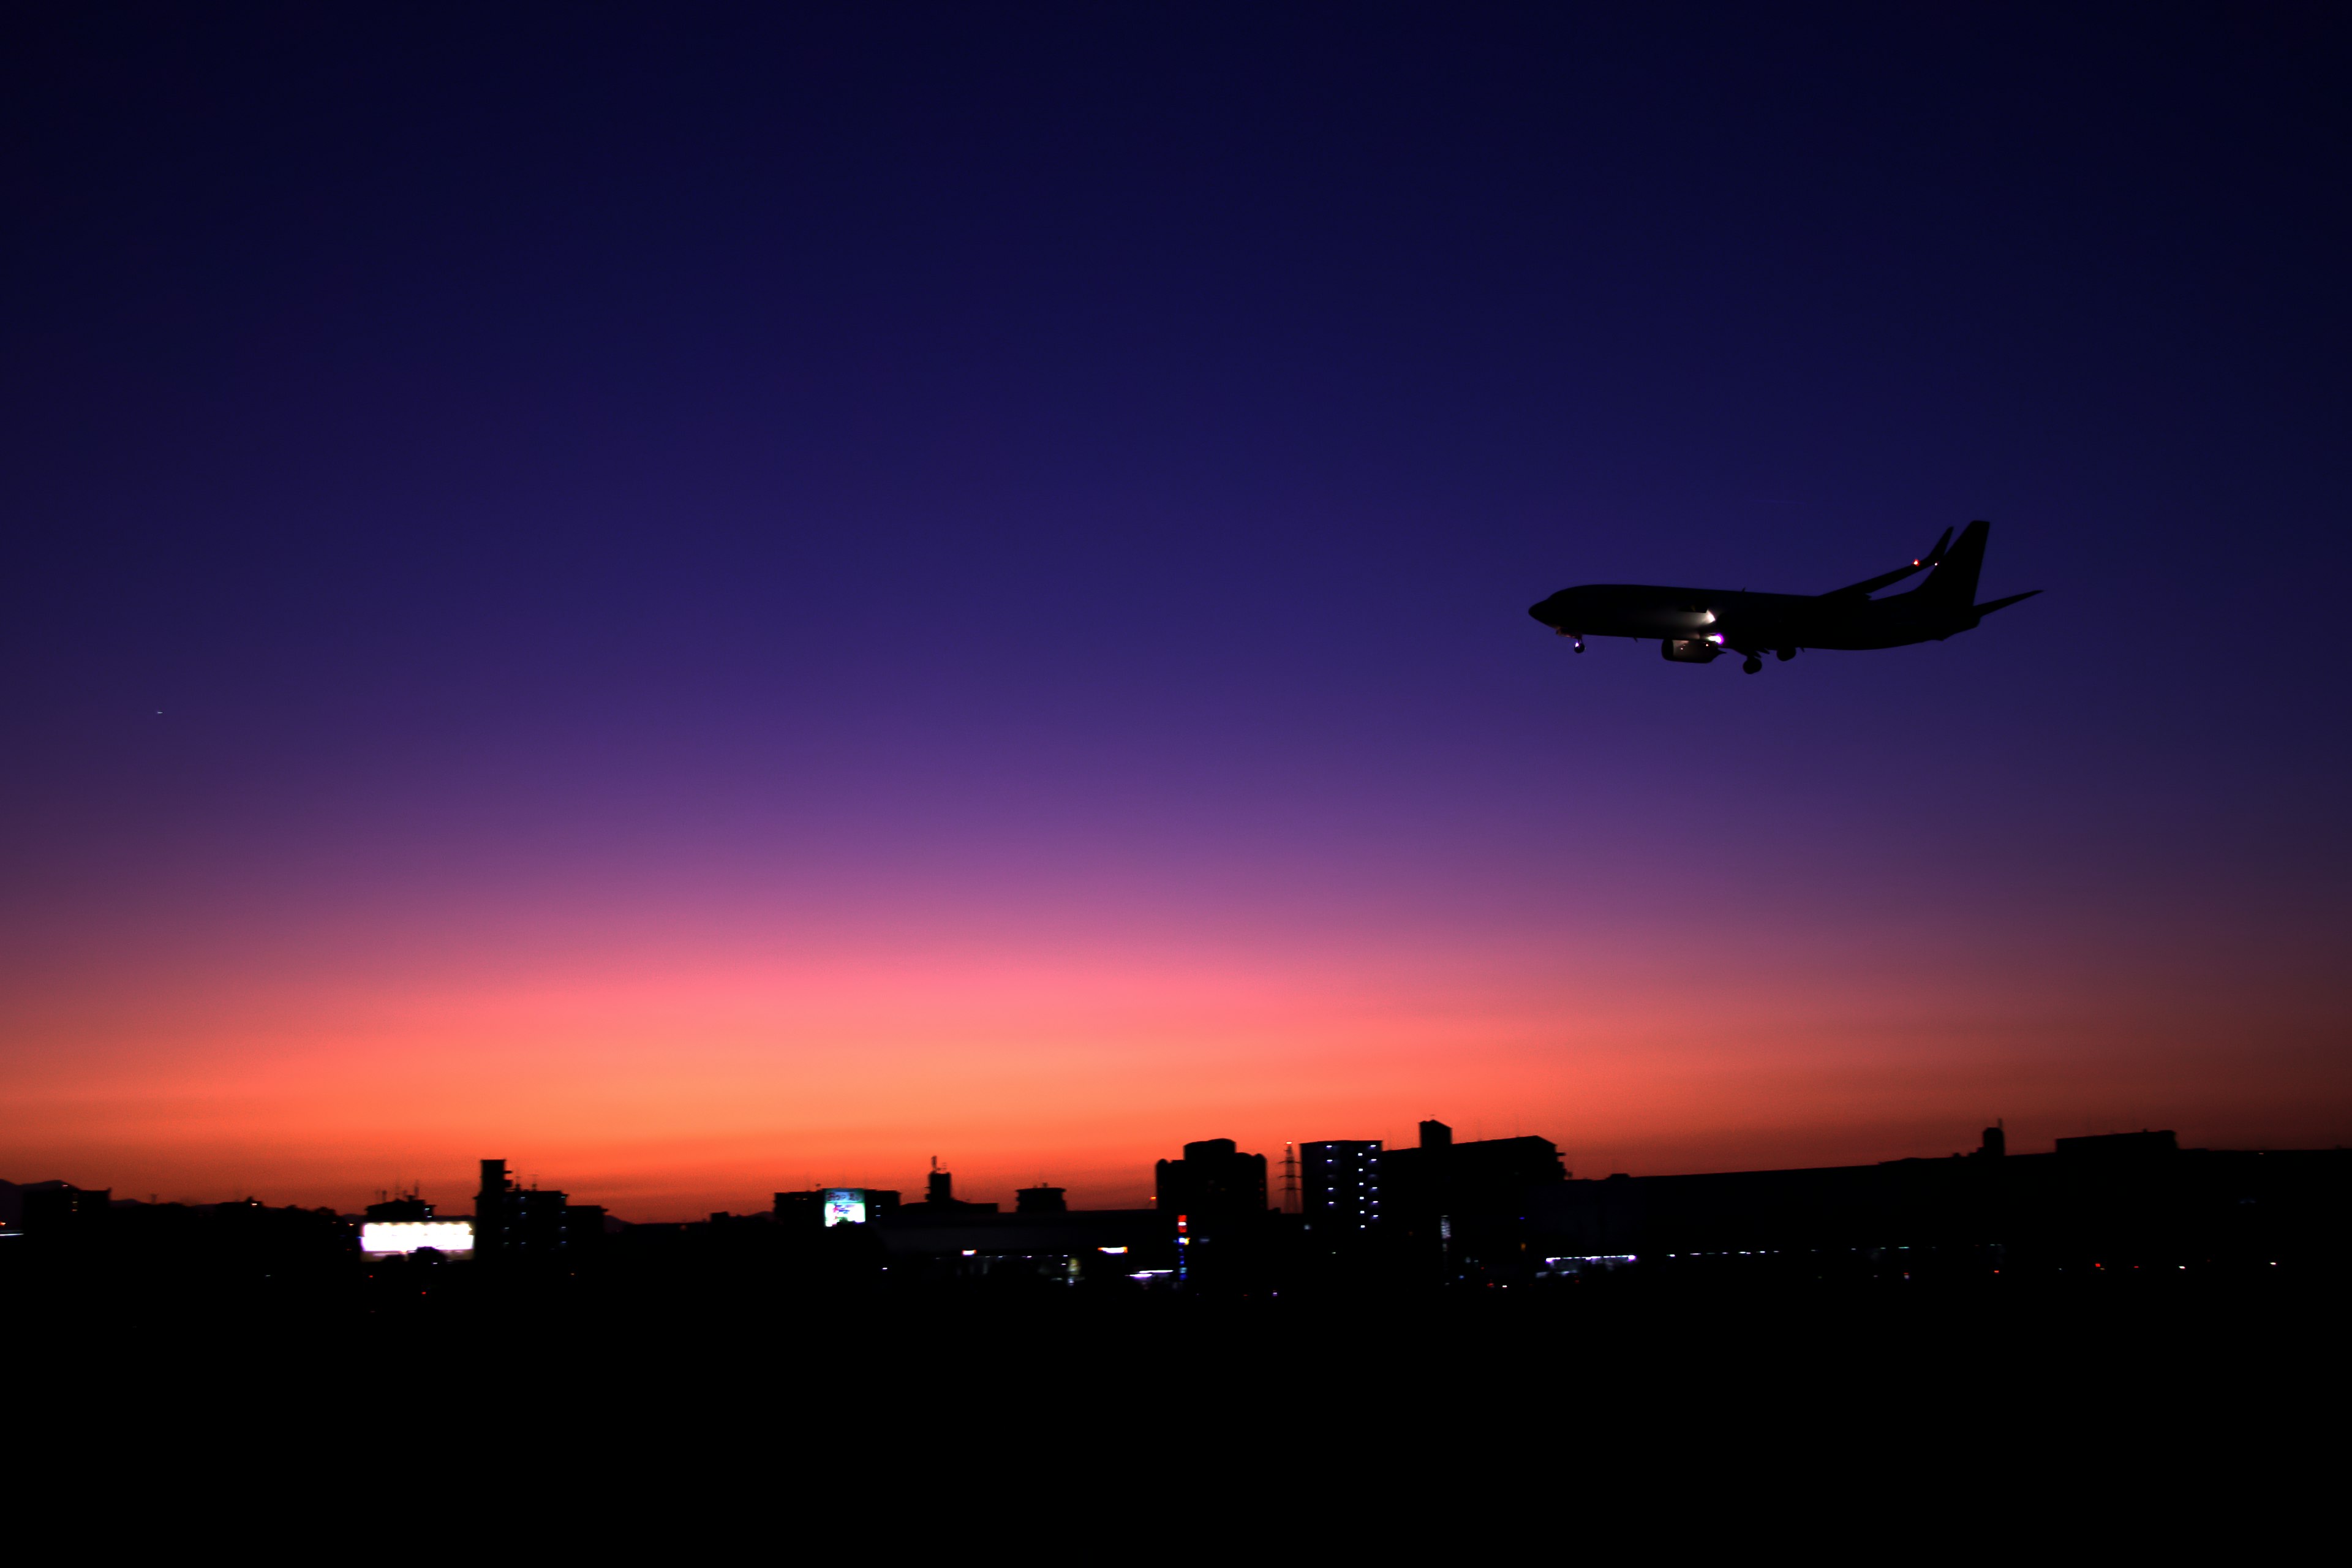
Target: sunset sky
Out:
[708,600]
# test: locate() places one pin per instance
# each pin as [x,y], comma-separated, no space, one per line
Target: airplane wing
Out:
[1869,585]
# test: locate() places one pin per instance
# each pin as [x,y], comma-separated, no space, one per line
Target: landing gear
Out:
[1752,665]
[1785,655]
[1577,645]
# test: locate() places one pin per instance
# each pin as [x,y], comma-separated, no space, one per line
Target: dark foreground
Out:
[534,1414]
[1501,1376]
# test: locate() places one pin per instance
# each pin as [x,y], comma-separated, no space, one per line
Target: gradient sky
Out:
[706,600]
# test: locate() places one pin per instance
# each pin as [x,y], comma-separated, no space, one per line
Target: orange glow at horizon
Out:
[667,1086]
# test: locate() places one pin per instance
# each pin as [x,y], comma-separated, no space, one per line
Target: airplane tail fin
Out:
[1954,580]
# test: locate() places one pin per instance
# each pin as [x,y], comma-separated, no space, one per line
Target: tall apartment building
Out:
[1339,1184]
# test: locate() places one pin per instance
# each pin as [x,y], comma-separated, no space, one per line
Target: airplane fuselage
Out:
[1696,626]
[1747,622]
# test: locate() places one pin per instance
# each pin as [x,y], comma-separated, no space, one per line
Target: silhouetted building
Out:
[1040,1199]
[1215,1197]
[512,1222]
[1213,1180]
[2118,1202]
[1487,1176]
[1465,1206]
[1339,1184]
[248,1233]
[406,1208]
[939,1195]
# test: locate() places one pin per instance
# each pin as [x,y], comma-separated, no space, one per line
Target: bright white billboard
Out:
[394,1238]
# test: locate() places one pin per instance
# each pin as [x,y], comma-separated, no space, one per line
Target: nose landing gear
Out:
[1577,645]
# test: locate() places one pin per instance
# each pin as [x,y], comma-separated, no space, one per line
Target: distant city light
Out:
[1602,1261]
[394,1238]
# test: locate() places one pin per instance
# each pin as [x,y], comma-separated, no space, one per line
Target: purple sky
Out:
[767,514]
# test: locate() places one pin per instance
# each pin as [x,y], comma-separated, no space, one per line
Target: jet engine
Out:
[1690,650]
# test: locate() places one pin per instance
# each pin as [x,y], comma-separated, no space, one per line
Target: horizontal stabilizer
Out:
[1983,610]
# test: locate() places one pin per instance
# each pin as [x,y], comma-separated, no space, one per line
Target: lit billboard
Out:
[397,1239]
[844,1205]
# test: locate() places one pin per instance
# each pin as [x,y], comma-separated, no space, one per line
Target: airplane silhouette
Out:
[1697,625]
